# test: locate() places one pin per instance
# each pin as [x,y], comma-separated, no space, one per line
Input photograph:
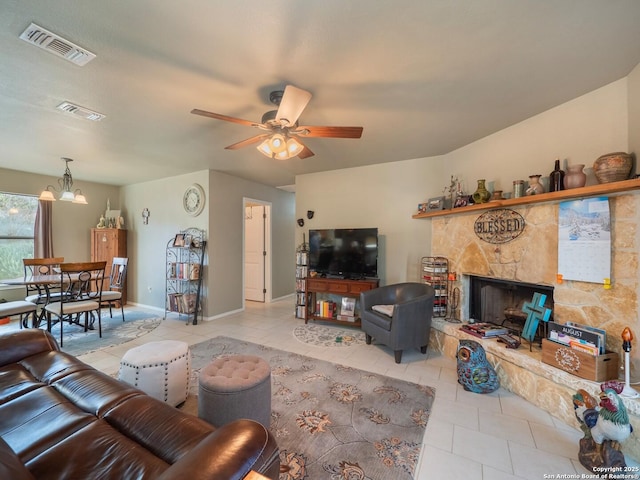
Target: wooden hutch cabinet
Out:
[107,243]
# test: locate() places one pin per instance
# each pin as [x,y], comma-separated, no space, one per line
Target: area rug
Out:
[114,331]
[328,336]
[332,421]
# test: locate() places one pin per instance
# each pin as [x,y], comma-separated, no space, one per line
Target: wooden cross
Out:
[535,311]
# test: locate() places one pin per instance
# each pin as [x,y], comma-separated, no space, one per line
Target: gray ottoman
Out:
[233,387]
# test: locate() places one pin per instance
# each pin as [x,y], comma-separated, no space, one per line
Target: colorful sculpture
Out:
[475,373]
[605,425]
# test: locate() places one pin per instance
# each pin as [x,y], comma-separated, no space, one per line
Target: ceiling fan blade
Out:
[306,153]
[292,104]
[226,118]
[332,132]
[247,142]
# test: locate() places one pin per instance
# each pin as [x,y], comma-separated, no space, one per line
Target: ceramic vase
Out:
[613,167]
[575,177]
[481,195]
[535,187]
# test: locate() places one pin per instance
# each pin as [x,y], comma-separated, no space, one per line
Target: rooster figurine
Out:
[604,424]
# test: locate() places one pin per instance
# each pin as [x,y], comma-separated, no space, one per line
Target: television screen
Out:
[344,252]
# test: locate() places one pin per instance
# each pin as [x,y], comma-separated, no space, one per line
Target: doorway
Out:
[257,251]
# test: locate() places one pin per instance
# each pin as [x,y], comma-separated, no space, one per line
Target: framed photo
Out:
[187,240]
[422,208]
[348,306]
[436,203]
[179,240]
[462,201]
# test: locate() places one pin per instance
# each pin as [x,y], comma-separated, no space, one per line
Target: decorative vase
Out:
[613,167]
[535,187]
[575,177]
[556,178]
[481,195]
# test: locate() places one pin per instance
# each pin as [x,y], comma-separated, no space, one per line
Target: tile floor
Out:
[469,436]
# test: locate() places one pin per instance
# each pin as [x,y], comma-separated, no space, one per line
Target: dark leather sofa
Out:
[62,419]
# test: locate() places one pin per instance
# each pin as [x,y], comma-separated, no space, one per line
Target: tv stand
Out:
[337,286]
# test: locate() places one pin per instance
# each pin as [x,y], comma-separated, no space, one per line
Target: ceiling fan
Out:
[282,137]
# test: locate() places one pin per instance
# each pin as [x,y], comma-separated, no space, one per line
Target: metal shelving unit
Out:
[435,272]
[184,272]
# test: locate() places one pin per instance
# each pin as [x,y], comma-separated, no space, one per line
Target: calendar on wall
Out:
[584,240]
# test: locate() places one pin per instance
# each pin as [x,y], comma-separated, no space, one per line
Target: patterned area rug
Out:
[331,421]
[328,336]
[114,331]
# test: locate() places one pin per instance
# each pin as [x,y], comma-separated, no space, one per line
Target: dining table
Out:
[46,283]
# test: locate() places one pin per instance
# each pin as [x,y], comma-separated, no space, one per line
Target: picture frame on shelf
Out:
[348,306]
[436,203]
[179,240]
[188,240]
[422,208]
[462,201]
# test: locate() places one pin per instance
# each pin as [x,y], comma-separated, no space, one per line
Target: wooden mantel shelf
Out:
[589,191]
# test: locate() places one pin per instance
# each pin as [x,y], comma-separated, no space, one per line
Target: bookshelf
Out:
[184,273]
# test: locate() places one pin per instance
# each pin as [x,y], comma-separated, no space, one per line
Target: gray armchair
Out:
[410,323]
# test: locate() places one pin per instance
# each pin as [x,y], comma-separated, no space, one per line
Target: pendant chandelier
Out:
[67,194]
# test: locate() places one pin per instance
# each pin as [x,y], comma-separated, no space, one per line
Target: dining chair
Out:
[39,293]
[82,285]
[116,284]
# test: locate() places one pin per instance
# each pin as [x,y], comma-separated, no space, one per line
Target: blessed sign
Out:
[499,226]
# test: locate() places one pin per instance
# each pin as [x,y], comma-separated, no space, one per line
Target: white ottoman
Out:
[160,369]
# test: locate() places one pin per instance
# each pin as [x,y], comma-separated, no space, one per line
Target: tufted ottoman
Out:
[233,387]
[160,369]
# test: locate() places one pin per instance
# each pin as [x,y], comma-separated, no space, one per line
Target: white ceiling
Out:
[423,77]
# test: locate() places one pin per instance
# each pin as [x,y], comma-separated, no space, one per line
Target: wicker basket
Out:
[613,167]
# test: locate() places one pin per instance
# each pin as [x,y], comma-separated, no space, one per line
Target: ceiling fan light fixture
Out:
[277,143]
[264,149]
[294,147]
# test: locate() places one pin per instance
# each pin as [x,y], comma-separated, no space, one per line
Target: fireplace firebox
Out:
[500,301]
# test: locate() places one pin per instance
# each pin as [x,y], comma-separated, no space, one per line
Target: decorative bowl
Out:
[613,167]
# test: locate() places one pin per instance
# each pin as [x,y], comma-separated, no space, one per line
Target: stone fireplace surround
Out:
[532,258]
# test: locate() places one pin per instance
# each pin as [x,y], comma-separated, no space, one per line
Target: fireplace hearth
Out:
[500,301]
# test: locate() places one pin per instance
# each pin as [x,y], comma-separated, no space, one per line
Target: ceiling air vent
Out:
[57,45]
[80,111]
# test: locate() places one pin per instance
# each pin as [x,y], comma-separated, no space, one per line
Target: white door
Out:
[254,253]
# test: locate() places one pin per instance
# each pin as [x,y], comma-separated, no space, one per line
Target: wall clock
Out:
[193,200]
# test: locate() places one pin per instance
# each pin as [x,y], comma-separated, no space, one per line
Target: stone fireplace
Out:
[500,301]
[531,259]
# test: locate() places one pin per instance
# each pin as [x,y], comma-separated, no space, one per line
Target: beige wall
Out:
[633,81]
[578,131]
[223,220]
[146,244]
[385,196]
[72,223]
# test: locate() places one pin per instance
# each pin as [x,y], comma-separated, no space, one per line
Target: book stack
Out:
[325,308]
[586,339]
[484,329]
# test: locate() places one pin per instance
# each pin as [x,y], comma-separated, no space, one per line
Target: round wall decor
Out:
[193,200]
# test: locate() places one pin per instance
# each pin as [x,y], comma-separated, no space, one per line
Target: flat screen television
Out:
[344,252]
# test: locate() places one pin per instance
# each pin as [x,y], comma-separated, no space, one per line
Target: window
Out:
[17,220]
